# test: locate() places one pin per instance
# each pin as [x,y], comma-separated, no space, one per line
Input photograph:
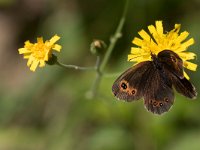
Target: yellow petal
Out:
[42,63]
[57,47]
[186,75]
[23,51]
[54,39]
[136,50]
[28,44]
[144,35]
[139,58]
[154,33]
[182,37]
[47,56]
[159,28]
[173,34]
[152,29]
[30,60]
[177,28]
[34,65]
[188,43]
[187,55]
[26,56]
[40,40]
[137,41]
[142,59]
[190,66]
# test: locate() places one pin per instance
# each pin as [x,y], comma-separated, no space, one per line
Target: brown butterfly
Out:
[153,81]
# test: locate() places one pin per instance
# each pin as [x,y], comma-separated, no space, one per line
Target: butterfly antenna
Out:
[150,42]
[151,38]
[134,58]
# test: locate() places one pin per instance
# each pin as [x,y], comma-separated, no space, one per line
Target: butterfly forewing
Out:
[184,87]
[130,85]
[171,61]
[173,66]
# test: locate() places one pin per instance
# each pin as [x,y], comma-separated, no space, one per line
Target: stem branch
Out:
[75,67]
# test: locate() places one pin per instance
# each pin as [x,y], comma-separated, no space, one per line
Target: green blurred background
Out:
[48,109]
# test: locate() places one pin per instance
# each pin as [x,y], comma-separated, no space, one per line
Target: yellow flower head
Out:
[38,53]
[158,41]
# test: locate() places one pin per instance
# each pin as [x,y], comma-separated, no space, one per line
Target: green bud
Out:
[52,60]
[98,47]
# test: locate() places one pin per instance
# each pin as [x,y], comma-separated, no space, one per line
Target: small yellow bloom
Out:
[158,41]
[40,52]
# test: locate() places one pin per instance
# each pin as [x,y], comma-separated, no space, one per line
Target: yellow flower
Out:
[158,41]
[40,52]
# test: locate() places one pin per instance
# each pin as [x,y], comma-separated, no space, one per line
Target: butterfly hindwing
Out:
[158,96]
[130,85]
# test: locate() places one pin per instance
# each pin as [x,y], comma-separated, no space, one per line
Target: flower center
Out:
[40,50]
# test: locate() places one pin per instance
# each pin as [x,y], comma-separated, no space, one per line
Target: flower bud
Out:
[52,60]
[98,47]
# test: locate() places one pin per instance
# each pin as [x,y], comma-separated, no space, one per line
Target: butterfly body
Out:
[154,81]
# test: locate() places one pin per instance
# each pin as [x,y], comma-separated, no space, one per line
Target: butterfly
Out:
[154,81]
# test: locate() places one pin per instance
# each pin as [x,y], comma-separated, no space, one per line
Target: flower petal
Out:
[26,56]
[23,51]
[30,61]
[34,65]
[54,39]
[190,66]
[137,41]
[182,37]
[40,40]
[57,47]
[136,50]
[159,28]
[138,58]
[187,55]
[185,45]
[186,75]
[42,63]
[144,35]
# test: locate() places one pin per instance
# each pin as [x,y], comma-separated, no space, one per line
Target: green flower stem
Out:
[114,39]
[75,67]
[95,86]
[101,66]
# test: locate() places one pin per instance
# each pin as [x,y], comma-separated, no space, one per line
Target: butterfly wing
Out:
[171,61]
[158,96]
[184,87]
[130,85]
[174,65]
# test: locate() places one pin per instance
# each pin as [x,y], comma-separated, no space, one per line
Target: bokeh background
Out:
[49,109]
